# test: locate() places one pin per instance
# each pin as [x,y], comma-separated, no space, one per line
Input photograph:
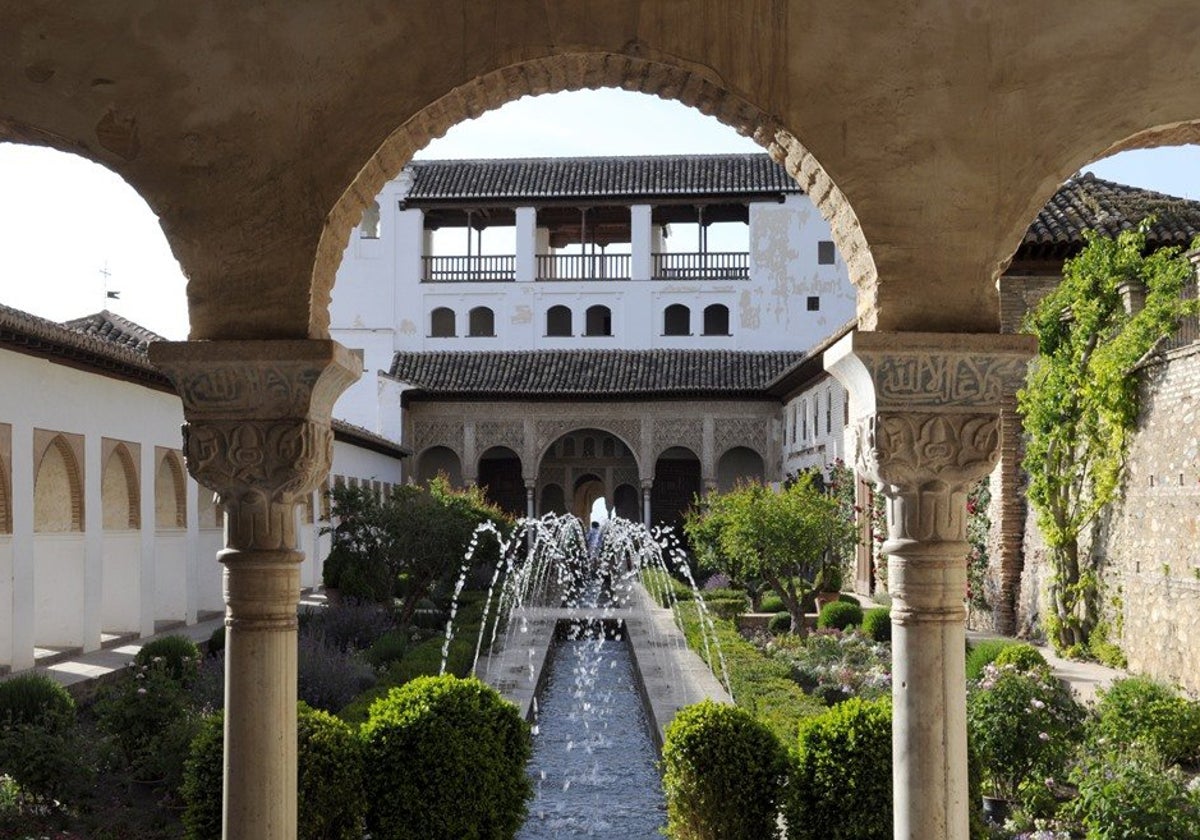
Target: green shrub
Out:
[149,720]
[1023,656]
[45,763]
[216,642]
[722,774]
[178,654]
[877,624]
[840,782]
[727,606]
[780,623]
[1140,709]
[836,666]
[332,800]
[840,615]
[983,653]
[772,604]
[1130,793]
[388,648]
[1024,725]
[35,699]
[447,761]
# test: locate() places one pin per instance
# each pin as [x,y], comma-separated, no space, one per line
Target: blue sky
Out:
[63,219]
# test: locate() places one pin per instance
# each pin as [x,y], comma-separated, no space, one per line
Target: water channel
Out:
[593,764]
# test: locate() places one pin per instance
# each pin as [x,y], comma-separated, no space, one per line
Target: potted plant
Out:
[828,583]
[1023,724]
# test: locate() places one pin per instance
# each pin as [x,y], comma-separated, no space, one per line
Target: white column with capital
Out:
[23,594]
[641,246]
[927,428]
[527,236]
[93,540]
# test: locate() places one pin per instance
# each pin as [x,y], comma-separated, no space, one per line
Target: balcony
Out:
[708,265]
[583,266]
[470,269]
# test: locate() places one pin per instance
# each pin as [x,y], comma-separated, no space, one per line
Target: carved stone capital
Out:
[258,426]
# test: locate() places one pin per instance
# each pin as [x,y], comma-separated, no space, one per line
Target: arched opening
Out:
[500,477]
[627,502]
[739,464]
[441,323]
[553,500]
[482,322]
[588,488]
[368,228]
[677,320]
[558,321]
[598,321]
[716,319]
[58,489]
[120,496]
[209,511]
[170,494]
[5,498]
[677,481]
[440,460]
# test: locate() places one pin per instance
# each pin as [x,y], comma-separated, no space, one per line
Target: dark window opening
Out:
[826,253]
[599,321]
[441,323]
[482,322]
[558,321]
[814,303]
[677,320]
[716,319]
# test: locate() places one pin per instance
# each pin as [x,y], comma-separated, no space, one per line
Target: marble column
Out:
[258,433]
[530,498]
[647,487]
[927,426]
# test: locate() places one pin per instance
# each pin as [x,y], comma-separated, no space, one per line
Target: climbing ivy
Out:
[1080,402]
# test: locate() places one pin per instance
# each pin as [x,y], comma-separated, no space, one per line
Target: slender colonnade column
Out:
[926,428]
[258,433]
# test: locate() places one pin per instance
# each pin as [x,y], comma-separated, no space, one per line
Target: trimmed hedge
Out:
[760,685]
[840,615]
[1140,709]
[722,774]
[447,761]
[877,624]
[332,801]
[983,653]
[37,700]
[840,782]
[1023,656]
[780,623]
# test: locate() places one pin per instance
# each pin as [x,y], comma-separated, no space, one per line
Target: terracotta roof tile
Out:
[592,373]
[114,329]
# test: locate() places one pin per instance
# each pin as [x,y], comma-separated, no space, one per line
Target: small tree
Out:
[780,536]
[1081,401]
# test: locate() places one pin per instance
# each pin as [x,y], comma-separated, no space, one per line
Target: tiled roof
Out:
[1109,208]
[592,373]
[367,439]
[597,177]
[112,328]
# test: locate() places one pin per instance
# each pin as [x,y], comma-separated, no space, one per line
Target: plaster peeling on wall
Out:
[407,327]
[681,290]
[773,255]
[522,315]
[749,313]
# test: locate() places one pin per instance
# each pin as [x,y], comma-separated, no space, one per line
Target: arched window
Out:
[482,322]
[558,321]
[369,227]
[441,323]
[599,321]
[170,494]
[58,490]
[677,320]
[120,495]
[5,495]
[716,319]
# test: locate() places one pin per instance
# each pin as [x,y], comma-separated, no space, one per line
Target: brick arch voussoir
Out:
[132,486]
[74,476]
[578,71]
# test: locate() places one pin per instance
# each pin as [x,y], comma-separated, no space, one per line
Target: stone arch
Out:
[170,492]
[437,460]
[677,480]
[58,489]
[499,473]
[571,428]
[120,491]
[588,488]
[690,84]
[739,463]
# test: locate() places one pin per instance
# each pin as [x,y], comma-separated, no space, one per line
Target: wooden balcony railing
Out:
[583,266]
[464,269]
[711,265]
[1189,328]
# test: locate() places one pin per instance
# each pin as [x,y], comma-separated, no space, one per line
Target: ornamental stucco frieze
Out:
[679,431]
[428,433]
[509,434]
[750,432]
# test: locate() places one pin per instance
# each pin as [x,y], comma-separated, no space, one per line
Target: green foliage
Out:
[722,773]
[45,763]
[840,783]
[1080,402]
[783,537]
[216,642]
[983,653]
[330,788]
[877,624]
[836,666]
[35,699]
[727,607]
[1024,725]
[1023,656]
[780,623]
[178,655]
[431,743]
[1104,650]
[1140,709]
[1130,794]
[978,531]
[771,603]
[388,648]
[840,615]
[759,684]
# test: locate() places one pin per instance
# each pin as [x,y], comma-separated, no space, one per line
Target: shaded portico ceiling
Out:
[929,131]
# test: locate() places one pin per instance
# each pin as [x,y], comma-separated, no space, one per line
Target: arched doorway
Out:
[440,460]
[588,488]
[739,464]
[500,478]
[676,484]
[588,464]
[626,503]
